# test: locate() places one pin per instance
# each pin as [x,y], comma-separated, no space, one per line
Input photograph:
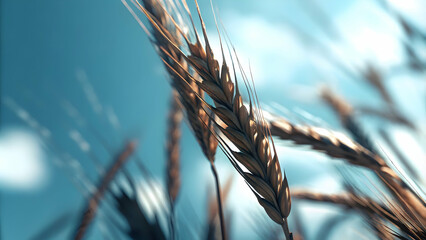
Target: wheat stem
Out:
[173,233]
[219,200]
[288,235]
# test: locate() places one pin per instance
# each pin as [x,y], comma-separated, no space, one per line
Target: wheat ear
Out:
[173,157]
[94,201]
[173,149]
[334,144]
[241,126]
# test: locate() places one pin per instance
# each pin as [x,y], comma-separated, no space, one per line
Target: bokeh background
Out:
[80,73]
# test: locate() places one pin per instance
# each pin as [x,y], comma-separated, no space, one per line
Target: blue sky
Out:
[56,53]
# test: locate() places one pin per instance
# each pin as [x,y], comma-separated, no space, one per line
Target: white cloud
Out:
[370,34]
[21,160]
[415,10]
[410,146]
[273,52]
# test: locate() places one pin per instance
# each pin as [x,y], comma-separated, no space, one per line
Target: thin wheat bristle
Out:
[140,225]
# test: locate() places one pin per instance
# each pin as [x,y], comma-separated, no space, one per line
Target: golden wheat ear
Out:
[253,152]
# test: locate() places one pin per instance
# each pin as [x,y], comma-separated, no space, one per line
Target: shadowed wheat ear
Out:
[346,114]
[140,226]
[253,153]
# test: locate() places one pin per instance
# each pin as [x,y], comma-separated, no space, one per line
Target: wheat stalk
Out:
[375,78]
[213,211]
[242,127]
